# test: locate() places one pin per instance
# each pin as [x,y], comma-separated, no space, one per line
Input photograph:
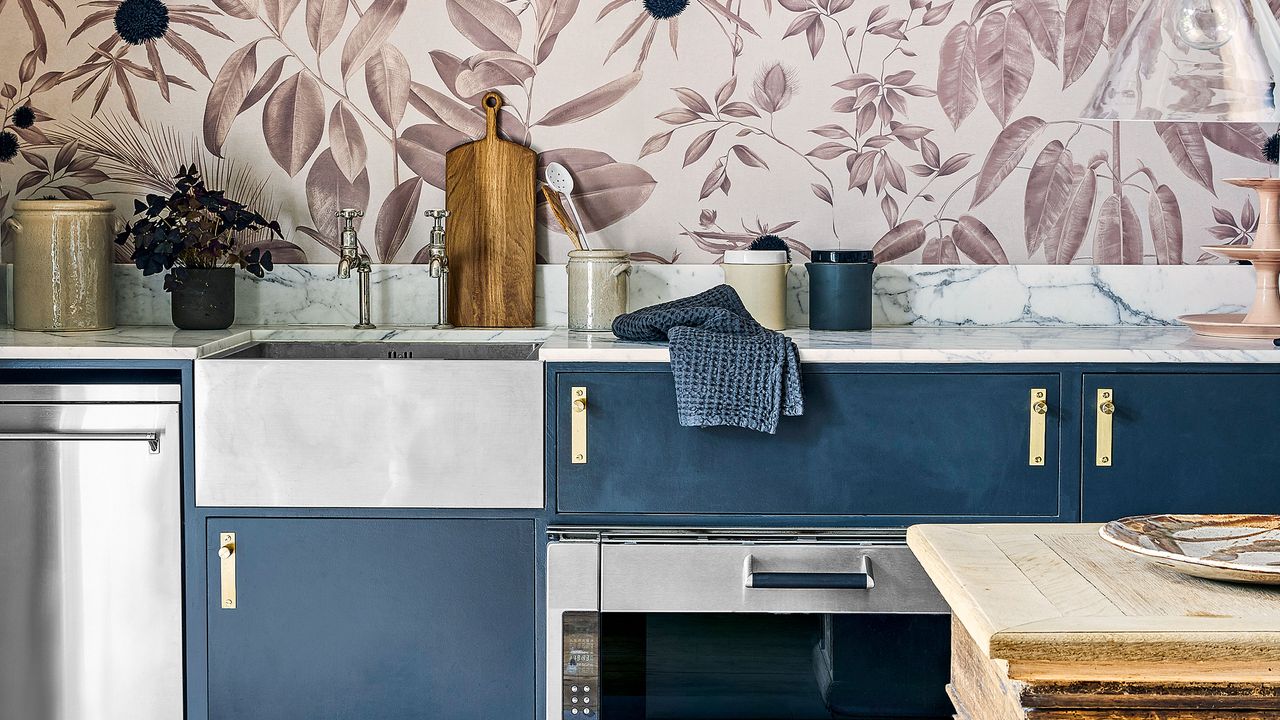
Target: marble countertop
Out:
[1160,344]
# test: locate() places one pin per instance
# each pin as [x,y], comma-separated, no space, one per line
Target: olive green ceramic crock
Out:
[62,264]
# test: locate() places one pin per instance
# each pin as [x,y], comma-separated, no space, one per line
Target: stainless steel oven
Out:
[683,624]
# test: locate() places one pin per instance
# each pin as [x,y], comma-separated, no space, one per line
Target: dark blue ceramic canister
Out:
[840,289]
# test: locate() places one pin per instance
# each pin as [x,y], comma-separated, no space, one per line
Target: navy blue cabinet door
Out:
[893,445]
[360,619]
[1183,443]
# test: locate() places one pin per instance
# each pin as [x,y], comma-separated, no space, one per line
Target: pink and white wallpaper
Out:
[937,132]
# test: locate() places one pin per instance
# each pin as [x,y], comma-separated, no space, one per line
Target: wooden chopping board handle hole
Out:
[492,104]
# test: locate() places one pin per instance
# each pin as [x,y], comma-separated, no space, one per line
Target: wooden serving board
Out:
[1054,622]
[490,196]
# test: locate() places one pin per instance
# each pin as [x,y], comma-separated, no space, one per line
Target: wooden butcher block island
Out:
[1053,623]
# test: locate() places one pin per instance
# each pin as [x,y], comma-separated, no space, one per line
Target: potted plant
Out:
[191,236]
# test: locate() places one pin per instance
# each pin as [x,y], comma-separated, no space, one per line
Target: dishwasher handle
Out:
[151,438]
[860,580]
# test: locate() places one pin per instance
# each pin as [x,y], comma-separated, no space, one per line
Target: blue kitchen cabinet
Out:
[351,619]
[890,447]
[1181,443]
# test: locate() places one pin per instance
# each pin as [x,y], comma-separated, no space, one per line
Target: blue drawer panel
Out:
[912,444]
[1184,443]
[351,619]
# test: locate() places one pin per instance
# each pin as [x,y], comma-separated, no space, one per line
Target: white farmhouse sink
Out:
[370,424]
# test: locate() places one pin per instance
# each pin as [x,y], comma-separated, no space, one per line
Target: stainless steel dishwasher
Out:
[90,553]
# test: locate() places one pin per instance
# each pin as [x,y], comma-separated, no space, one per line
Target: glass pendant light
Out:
[1194,60]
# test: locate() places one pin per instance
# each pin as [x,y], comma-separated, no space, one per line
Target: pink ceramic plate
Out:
[1240,548]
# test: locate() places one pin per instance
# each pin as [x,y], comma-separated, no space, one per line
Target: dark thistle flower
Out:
[771,242]
[665,9]
[1271,151]
[138,21]
[8,146]
[24,116]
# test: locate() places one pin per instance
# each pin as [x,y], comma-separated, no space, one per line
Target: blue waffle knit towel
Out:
[728,368]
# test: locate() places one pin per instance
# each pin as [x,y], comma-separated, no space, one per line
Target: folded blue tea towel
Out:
[728,368]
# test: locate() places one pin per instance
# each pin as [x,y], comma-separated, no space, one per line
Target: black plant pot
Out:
[206,299]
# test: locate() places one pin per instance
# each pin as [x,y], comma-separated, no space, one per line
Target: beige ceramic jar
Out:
[62,264]
[597,288]
[760,277]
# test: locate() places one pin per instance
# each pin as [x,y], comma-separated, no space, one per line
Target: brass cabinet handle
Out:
[578,423]
[227,556]
[1039,413]
[1106,413]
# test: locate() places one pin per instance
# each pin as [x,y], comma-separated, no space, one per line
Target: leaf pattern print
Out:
[935,131]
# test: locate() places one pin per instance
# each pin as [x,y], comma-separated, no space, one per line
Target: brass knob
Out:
[226,551]
[580,405]
[1041,407]
[1107,408]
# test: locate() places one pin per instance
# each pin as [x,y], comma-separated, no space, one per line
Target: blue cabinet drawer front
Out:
[1184,443]
[869,444]
[350,619]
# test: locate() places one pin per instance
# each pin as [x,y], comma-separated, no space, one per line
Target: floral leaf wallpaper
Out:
[932,131]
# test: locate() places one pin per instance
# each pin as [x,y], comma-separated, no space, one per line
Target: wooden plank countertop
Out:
[1054,603]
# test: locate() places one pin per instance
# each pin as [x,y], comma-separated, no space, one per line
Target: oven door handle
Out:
[861,580]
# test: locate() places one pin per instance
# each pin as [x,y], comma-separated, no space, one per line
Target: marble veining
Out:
[1151,344]
[1155,344]
[915,295]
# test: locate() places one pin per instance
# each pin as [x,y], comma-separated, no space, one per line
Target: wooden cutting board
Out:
[490,195]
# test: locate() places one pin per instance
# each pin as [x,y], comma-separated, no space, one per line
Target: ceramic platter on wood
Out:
[1239,548]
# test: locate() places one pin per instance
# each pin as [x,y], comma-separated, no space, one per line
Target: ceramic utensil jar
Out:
[760,277]
[597,288]
[62,264]
[840,289]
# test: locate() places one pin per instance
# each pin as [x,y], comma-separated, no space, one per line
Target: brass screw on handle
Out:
[1107,408]
[580,405]
[1041,408]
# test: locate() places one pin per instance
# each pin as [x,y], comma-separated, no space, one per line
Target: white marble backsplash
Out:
[918,295]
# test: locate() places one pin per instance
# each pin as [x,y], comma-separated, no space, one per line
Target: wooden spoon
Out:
[561,216]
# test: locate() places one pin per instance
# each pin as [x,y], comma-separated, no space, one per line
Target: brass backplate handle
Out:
[1106,412]
[578,423]
[1039,414]
[227,560]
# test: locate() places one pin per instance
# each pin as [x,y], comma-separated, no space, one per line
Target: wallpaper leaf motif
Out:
[958,73]
[829,122]
[1065,238]
[1005,63]
[293,121]
[387,77]
[1243,139]
[592,103]
[325,19]
[488,24]
[1048,190]
[1044,21]
[1186,146]
[1011,145]
[370,33]
[346,141]
[973,238]
[1086,23]
[328,191]
[605,190]
[229,95]
[395,217]
[1166,225]
[1119,236]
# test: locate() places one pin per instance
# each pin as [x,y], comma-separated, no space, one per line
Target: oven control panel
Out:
[580,666]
